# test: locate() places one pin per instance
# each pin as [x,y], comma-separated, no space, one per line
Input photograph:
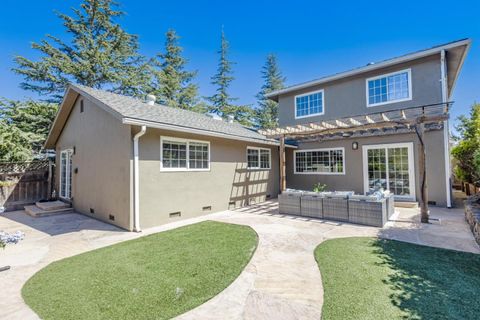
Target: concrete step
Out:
[36,212]
[52,205]
[406,204]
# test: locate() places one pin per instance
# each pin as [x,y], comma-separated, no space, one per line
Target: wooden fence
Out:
[24,183]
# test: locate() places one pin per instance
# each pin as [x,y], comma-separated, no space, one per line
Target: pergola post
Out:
[283,178]
[420,129]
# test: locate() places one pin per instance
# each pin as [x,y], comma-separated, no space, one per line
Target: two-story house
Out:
[319,116]
[137,164]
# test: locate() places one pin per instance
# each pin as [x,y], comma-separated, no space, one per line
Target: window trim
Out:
[259,158]
[69,152]
[187,141]
[320,173]
[409,75]
[307,94]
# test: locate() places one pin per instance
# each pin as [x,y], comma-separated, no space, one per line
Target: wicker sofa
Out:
[338,206]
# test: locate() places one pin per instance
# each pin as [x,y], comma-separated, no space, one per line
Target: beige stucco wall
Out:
[353,178]
[227,182]
[103,150]
[346,97]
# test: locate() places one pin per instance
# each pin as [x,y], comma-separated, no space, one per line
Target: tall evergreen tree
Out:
[100,54]
[221,102]
[24,126]
[172,84]
[267,111]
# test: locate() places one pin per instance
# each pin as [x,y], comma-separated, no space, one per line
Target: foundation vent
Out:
[92,211]
[111,217]
[268,196]
[175,214]
[207,208]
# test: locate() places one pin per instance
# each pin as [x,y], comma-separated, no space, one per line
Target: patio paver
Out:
[281,281]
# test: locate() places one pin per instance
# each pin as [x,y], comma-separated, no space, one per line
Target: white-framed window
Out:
[66,173]
[389,88]
[391,167]
[320,161]
[309,104]
[258,158]
[184,154]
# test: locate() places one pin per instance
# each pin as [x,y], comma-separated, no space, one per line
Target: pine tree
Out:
[221,101]
[24,127]
[172,84]
[267,111]
[100,55]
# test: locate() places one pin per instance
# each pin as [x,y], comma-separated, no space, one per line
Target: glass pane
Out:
[377,173]
[63,176]
[264,159]
[198,155]
[398,171]
[327,161]
[252,158]
[174,154]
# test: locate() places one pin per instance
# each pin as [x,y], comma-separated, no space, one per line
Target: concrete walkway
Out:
[281,281]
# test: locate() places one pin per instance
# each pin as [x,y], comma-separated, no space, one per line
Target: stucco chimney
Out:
[151,99]
[230,118]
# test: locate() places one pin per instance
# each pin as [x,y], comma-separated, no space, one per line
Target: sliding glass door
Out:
[390,167]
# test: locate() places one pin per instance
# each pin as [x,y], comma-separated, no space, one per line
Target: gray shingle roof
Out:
[128,107]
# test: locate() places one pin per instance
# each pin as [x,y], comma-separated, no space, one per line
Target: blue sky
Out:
[310,38]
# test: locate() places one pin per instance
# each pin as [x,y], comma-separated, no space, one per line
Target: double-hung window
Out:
[310,104]
[320,161]
[389,88]
[258,158]
[182,155]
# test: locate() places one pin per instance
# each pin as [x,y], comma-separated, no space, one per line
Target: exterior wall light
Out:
[355,145]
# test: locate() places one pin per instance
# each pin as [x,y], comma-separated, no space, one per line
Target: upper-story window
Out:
[309,104]
[389,88]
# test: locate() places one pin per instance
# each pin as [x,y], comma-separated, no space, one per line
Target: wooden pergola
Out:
[401,120]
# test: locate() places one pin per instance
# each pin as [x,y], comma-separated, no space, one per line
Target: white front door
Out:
[66,174]
[390,166]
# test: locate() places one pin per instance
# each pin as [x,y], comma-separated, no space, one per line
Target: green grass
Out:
[153,277]
[366,278]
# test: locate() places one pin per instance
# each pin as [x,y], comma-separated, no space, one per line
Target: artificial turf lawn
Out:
[367,278]
[154,277]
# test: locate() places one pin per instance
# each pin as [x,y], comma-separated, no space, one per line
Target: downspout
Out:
[446,134]
[136,188]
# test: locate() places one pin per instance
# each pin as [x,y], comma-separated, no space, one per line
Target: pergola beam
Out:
[381,120]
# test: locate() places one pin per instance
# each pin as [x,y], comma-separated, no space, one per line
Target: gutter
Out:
[446,129]
[166,126]
[136,188]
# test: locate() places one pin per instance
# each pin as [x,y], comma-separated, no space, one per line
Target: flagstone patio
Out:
[281,281]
